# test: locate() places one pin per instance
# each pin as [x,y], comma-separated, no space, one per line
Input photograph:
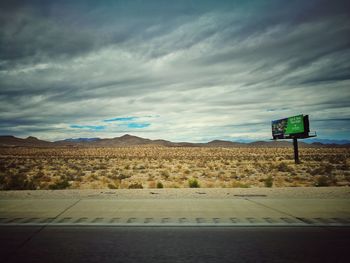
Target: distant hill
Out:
[279,144]
[125,140]
[327,141]
[80,140]
[12,141]
[221,143]
[130,140]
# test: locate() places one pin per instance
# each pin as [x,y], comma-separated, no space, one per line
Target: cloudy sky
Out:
[176,70]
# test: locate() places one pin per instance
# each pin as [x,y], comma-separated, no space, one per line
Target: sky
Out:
[176,70]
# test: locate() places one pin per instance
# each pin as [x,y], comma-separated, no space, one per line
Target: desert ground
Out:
[170,167]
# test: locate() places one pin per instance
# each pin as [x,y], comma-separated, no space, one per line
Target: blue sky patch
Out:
[121,119]
[135,125]
[88,127]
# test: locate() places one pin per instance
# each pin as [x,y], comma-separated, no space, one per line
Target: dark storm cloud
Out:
[34,31]
[9,122]
[332,120]
[206,67]
[29,35]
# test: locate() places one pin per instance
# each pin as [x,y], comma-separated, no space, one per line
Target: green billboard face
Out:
[286,128]
[295,124]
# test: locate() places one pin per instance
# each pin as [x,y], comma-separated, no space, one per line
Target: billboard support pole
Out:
[296,151]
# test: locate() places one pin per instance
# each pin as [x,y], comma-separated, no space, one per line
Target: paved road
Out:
[239,229]
[223,212]
[174,244]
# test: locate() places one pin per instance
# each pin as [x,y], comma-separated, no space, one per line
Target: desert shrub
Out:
[94,177]
[150,177]
[61,184]
[247,171]
[193,183]
[283,167]
[24,170]
[315,171]
[337,159]
[151,184]
[235,176]
[16,182]
[113,176]
[2,166]
[183,177]
[112,186]
[290,180]
[160,185]
[140,167]
[322,181]
[294,173]
[323,170]
[135,186]
[70,176]
[12,165]
[345,166]
[165,174]
[102,167]
[2,180]
[123,176]
[328,169]
[300,178]
[30,184]
[268,181]
[39,176]
[221,173]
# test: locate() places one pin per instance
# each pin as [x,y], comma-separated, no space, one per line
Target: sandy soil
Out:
[283,192]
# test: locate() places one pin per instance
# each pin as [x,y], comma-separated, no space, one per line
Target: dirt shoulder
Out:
[184,193]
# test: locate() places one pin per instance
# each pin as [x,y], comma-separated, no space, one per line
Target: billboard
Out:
[287,128]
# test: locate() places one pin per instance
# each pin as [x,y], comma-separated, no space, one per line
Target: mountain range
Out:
[130,140]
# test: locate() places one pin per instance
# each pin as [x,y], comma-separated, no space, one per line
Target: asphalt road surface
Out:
[173,244]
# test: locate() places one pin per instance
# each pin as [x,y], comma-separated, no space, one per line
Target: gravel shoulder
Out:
[184,193]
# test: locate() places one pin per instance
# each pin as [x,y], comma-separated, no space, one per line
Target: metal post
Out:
[296,152]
